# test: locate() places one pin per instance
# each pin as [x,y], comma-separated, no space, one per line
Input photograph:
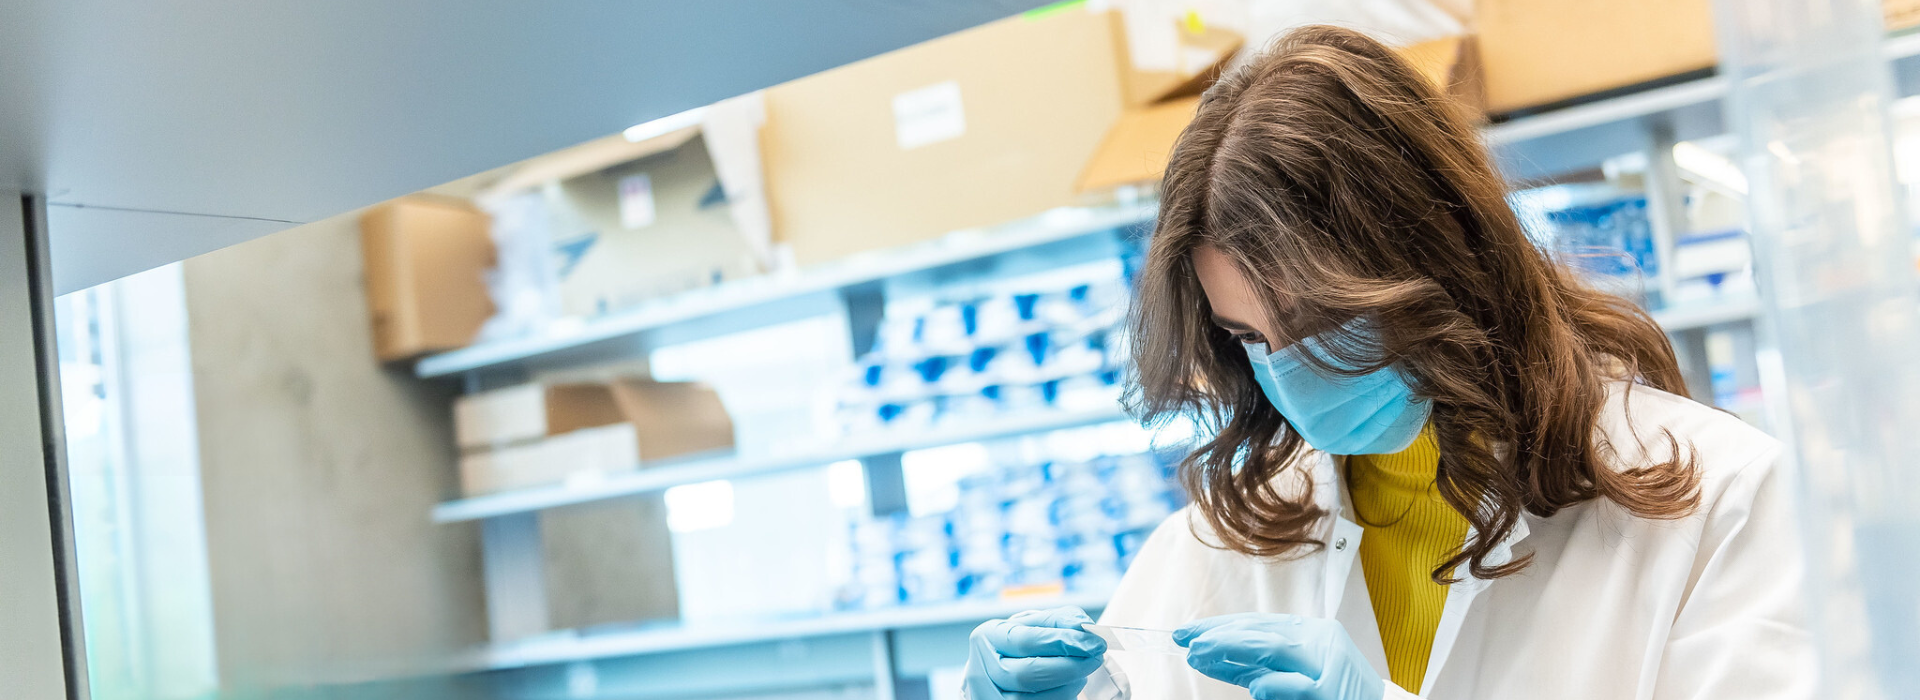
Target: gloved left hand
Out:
[1034,655]
[1281,657]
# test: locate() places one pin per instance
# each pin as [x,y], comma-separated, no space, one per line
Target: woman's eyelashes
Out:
[1248,337]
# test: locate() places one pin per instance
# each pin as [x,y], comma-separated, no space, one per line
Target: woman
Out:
[1439,465]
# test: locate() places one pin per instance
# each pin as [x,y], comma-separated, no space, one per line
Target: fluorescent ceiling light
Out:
[665,125]
[1712,167]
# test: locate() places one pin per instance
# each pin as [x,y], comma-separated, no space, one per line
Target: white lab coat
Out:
[1613,606]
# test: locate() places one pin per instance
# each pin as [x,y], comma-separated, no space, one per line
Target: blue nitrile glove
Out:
[1281,657]
[1034,655]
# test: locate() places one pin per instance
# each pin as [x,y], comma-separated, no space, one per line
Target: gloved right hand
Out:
[1034,655]
[1281,657]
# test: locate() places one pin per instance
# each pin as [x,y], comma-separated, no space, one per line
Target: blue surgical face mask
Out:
[1373,413]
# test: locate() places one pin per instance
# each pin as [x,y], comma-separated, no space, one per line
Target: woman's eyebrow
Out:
[1229,322]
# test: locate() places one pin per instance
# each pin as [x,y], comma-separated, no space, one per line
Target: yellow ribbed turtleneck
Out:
[1409,531]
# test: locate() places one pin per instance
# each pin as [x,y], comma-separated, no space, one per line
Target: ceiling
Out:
[161,130]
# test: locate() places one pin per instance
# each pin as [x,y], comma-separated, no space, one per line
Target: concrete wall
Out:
[320,467]
[609,562]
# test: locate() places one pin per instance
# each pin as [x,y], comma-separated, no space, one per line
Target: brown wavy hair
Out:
[1343,185]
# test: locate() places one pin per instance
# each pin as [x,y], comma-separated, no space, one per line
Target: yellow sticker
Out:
[1193,23]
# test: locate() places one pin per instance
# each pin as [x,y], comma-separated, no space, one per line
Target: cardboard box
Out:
[542,435]
[426,264]
[1453,65]
[1163,63]
[668,205]
[529,412]
[1538,52]
[578,454]
[1136,150]
[644,229]
[978,128]
[542,463]
[674,418]
[1901,14]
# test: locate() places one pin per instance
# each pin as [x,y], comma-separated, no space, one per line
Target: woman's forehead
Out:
[1231,297]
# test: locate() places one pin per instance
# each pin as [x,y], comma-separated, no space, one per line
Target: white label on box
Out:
[928,115]
[1153,35]
[636,201]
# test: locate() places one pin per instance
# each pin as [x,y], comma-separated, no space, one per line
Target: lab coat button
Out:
[1340,545]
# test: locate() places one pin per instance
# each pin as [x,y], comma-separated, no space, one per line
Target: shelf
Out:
[568,647]
[1686,317]
[959,246]
[658,477]
[1644,103]
[1629,106]
[664,476]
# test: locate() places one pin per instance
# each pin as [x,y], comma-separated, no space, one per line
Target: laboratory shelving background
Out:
[895,648]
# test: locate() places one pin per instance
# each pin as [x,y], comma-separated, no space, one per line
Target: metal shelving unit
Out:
[652,478]
[511,538]
[1558,141]
[1689,317]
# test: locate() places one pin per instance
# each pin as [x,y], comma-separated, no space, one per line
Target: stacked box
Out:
[426,261]
[974,129]
[543,434]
